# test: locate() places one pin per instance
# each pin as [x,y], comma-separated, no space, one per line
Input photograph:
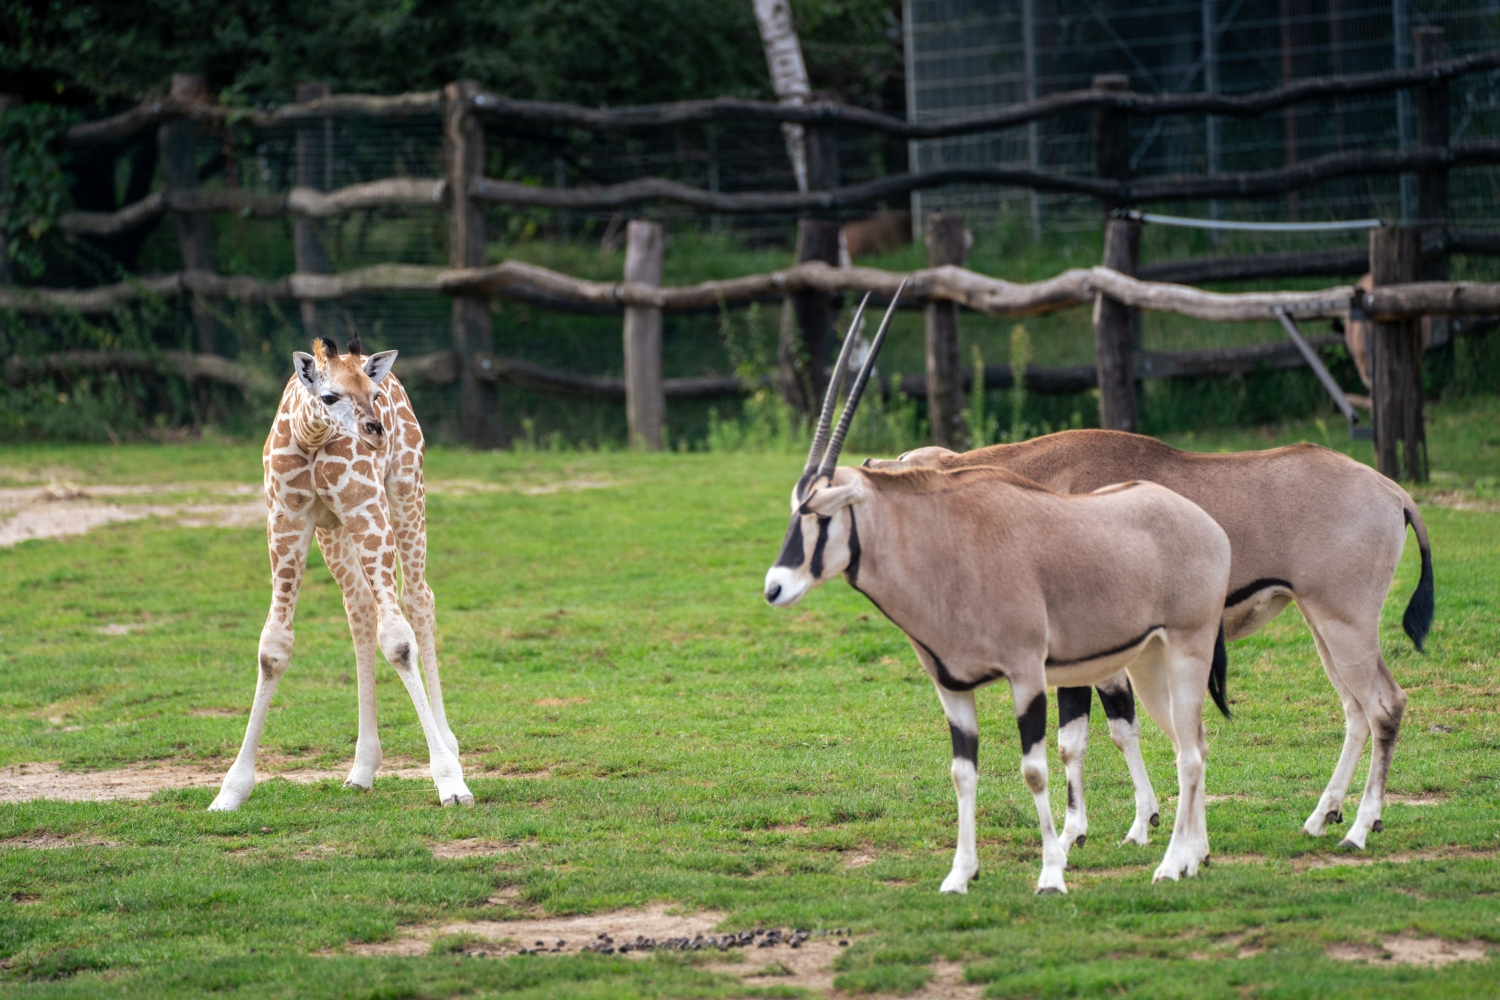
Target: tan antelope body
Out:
[1305,523]
[993,577]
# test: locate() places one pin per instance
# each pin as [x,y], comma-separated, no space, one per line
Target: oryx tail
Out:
[1418,617]
[1218,674]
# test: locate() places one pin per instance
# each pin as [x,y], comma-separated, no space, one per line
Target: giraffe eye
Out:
[330,399]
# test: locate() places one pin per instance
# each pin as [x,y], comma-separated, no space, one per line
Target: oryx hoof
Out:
[464,799]
[1348,845]
[1082,839]
[1050,890]
[1156,819]
[1378,826]
[1334,816]
[355,786]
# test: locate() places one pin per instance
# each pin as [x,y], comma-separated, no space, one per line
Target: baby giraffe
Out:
[344,462]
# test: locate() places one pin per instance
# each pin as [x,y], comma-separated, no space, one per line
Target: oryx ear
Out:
[378,366]
[829,500]
[307,369]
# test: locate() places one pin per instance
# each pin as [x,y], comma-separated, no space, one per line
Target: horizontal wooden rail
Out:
[441,368]
[151,113]
[391,192]
[517,281]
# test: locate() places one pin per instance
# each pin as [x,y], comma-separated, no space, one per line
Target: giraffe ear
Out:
[307,369]
[378,366]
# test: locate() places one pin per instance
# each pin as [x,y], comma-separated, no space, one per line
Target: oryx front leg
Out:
[1031,718]
[1073,706]
[963,725]
[1118,700]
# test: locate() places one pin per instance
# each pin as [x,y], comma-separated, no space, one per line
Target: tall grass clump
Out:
[766,422]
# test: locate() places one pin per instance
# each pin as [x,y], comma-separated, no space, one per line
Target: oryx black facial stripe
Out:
[1249,590]
[1118,704]
[817,560]
[1073,703]
[791,549]
[1033,723]
[851,571]
[965,745]
[1108,652]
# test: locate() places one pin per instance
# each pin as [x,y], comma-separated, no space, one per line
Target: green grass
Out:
[643,728]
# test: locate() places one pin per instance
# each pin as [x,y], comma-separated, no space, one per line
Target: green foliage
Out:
[35,192]
[1020,357]
[982,427]
[766,422]
[589,52]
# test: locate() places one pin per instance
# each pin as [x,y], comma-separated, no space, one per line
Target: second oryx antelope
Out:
[993,577]
[1306,524]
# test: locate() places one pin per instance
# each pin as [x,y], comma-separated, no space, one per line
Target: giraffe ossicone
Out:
[343,464]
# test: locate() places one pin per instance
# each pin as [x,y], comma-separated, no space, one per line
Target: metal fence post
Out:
[645,398]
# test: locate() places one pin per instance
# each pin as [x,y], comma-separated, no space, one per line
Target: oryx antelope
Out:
[993,577]
[343,462]
[1306,524]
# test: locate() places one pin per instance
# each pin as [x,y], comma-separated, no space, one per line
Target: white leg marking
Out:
[1187,683]
[1054,855]
[958,707]
[1072,744]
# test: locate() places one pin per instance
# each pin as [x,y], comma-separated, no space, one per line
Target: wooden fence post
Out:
[945,377]
[1114,331]
[802,352]
[1433,128]
[314,170]
[6,102]
[1396,258]
[178,141]
[645,398]
[463,150]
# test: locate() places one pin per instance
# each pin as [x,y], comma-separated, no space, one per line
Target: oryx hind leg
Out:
[963,725]
[1118,699]
[1073,704]
[1351,655]
[1172,682]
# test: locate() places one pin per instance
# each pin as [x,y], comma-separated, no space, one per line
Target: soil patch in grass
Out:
[1408,949]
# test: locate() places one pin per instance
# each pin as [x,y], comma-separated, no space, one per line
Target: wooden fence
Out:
[464,107]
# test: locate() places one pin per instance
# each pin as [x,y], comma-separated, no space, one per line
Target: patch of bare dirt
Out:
[558,702]
[1461,500]
[860,858]
[25,782]
[61,509]
[508,937]
[219,713]
[53,841]
[1394,858]
[1408,949]
[1420,799]
[471,847]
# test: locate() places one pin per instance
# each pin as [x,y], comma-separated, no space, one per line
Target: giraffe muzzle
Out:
[374,427]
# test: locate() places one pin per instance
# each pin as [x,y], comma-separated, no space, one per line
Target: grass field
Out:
[640,728]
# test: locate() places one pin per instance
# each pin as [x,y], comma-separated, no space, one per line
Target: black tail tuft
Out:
[354,345]
[1218,674]
[1418,618]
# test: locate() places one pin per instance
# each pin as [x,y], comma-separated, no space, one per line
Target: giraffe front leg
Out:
[963,725]
[363,615]
[399,643]
[289,545]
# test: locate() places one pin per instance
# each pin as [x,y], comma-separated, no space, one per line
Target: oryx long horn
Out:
[831,397]
[836,444]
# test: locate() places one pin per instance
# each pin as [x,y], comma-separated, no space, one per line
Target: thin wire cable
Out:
[1252,227]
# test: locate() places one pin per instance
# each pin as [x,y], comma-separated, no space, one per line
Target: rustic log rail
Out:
[151,113]
[522,282]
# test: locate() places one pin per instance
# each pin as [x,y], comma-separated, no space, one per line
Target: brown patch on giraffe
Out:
[363,468]
[281,436]
[301,481]
[281,464]
[340,446]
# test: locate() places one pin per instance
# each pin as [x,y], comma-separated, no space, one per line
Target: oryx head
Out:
[818,540]
[346,387]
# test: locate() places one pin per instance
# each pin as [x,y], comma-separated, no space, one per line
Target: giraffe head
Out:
[346,388]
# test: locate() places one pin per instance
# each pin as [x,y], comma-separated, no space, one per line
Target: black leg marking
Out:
[1073,703]
[965,745]
[1033,723]
[1334,816]
[1119,703]
[1072,799]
